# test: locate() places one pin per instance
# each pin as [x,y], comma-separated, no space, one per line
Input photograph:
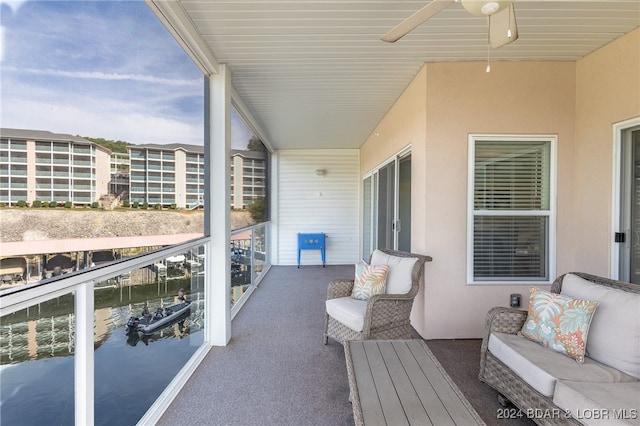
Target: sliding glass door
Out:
[386,197]
[628,236]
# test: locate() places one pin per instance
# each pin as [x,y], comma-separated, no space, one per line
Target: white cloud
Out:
[99,75]
[13,4]
[99,69]
[107,120]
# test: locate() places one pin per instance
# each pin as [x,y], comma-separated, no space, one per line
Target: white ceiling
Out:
[314,74]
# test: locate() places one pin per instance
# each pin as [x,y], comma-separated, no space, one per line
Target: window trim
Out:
[552,215]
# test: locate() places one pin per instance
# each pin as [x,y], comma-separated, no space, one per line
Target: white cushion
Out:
[399,276]
[614,336]
[348,311]
[541,368]
[603,404]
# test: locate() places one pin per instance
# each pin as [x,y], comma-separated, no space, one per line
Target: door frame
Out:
[374,174]
[618,132]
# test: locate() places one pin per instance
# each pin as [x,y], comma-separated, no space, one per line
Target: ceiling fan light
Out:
[489,8]
[485,8]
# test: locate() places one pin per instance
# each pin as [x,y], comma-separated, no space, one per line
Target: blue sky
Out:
[98,68]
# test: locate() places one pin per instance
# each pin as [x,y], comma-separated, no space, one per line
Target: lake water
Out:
[131,371]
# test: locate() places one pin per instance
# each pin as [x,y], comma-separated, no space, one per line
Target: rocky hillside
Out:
[42,224]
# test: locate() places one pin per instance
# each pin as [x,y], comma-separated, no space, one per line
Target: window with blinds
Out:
[511,210]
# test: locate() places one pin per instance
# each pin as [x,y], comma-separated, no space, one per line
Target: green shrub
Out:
[3,205]
[44,204]
[257,209]
[22,203]
[157,207]
[145,206]
[36,204]
[136,204]
[95,205]
[126,204]
[173,206]
[68,205]
[53,204]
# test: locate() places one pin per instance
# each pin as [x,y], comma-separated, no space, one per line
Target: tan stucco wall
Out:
[448,101]
[608,91]
[402,126]
[181,178]
[103,172]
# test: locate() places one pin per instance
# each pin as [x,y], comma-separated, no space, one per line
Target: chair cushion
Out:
[614,337]
[347,311]
[558,322]
[603,404]
[370,280]
[542,368]
[400,268]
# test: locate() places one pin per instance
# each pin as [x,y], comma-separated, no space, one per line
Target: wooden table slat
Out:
[400,382]
[389,400]
[369,401]
[436,411]
[455,403]
[401,377]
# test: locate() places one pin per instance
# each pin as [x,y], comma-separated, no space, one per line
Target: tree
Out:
[113,146]
[257,209]
[255,144]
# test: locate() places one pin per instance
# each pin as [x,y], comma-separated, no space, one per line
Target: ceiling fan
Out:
[500,16]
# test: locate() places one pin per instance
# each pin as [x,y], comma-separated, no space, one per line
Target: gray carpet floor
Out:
[277,371]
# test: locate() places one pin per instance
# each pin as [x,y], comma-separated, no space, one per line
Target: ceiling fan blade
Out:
[503,29]
[418,17]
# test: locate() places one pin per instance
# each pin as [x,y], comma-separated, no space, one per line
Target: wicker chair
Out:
[386,315]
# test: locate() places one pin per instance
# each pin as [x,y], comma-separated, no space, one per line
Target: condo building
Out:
[44,166]
[167,174]
[174,174]
[248,177]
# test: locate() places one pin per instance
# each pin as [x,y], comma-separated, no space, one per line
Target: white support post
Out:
[84,362]
[218,286]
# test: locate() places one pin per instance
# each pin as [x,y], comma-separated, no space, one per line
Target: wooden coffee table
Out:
[400,382]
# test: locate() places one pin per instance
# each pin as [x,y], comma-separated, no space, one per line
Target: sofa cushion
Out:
[400,268]
[558,322]
[601,404]
[370,280]
[541,368]
[614,337]
[348,311]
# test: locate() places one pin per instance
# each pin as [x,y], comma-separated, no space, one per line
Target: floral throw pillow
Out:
[370,280]
[559,322]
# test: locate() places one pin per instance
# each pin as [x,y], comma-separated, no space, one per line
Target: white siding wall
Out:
[309,203]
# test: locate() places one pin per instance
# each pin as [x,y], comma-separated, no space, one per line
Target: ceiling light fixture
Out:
[485,8]
[488,8]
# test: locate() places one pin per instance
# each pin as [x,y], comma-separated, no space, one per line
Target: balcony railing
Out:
[64,349]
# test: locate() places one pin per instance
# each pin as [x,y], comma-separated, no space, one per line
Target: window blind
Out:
[511,176]
[511,209]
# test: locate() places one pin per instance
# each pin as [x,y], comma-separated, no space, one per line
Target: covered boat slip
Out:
[13,266]
[401,382]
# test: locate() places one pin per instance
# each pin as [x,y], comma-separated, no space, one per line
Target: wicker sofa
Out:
[551,388]
[383,316]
